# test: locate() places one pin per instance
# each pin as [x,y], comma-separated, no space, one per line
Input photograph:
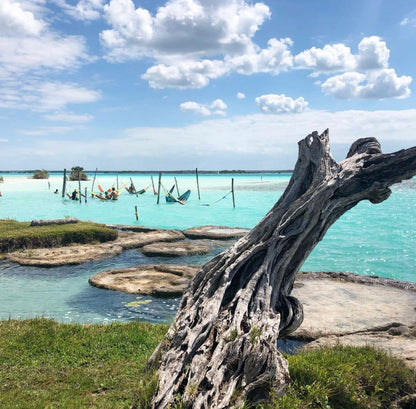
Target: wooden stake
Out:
[64,184]
[232,190]
[158,189]
[197,183]
[117,180]
[79,187]
[85,198]
[137,213]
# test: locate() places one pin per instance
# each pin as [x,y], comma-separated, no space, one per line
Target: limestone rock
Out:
[215,232]
[157,280]
[77,254]
[347,309]
[134,240]
[183,248]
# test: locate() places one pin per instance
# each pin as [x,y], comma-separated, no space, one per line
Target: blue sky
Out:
[207,84]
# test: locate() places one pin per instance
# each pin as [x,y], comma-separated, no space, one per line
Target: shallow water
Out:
[369,239]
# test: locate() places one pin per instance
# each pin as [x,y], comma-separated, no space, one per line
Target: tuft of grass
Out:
[16,235]
[345,377]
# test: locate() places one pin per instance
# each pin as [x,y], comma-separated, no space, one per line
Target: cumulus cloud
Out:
[366,75]
[217,107]
[192,41]
[375,85]
[274,59]
[187,28]
[372,54]
[16,21]
[240,95]
[335,57]
[279,104]
[189,74]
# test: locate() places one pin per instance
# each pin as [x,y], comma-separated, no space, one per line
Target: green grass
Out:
[345,378]
[16,235]
[44,364]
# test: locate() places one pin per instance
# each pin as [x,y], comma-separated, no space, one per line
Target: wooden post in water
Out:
[117,181]
[158,189]
[176,183]
[137,213]
[79,187]
[64,184]
[197,183]
[93,181]
[85,198]
[232,191]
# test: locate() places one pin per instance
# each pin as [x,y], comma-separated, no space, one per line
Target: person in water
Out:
[114,194]
[56,192]
[74,195]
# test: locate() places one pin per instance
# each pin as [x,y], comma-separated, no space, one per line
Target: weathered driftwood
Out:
[221,348]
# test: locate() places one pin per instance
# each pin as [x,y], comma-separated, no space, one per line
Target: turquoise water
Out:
[369,239]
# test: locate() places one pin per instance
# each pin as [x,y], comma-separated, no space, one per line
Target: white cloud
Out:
[409,20]
[46,96]
[279,104]
[68,117]
[84,10]
[240,95]
[184,35]
[217,107]
[186,28]
[335,57]
[274,59]
[223,143]
[192,74]
[376,85]
[35,53]
[14,20]
[367,74]
[373,53]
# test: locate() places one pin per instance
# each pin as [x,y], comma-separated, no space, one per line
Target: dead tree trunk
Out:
[221,349]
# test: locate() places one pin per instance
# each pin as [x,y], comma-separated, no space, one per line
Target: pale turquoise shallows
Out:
[369,239]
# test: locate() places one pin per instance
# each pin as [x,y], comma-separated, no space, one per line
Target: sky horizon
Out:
[208,84]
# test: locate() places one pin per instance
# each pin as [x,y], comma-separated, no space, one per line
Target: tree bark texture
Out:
[221,349]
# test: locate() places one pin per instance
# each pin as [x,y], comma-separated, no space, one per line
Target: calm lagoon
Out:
[368,240]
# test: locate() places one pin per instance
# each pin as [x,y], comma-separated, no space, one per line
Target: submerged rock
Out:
[158,280]
[215,232]
[183,248]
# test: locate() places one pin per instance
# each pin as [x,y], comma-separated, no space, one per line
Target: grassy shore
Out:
[16,235]
[44,364]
